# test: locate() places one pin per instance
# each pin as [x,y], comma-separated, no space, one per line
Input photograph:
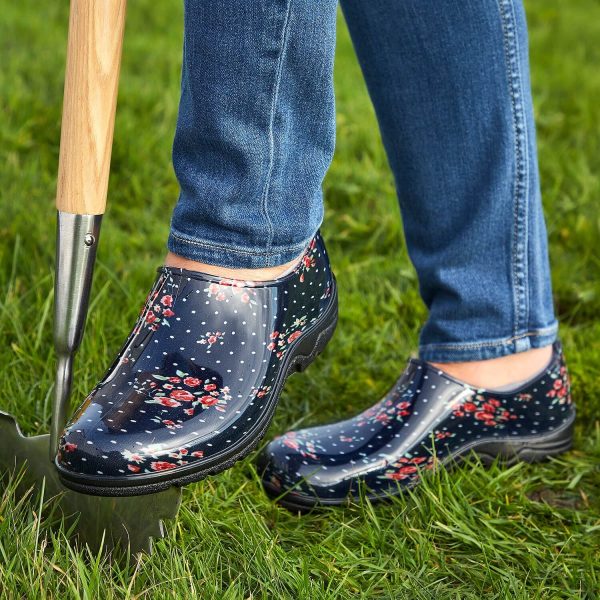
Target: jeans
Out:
[450,84]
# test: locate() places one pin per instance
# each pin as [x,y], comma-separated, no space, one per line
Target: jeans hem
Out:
[234,257]
[487,349]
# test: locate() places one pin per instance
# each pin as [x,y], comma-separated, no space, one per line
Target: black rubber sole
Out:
[310,345]
[507,452]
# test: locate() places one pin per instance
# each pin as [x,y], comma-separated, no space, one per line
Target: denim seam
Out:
[274,98]
[236,250]
[496,343]
[519,242]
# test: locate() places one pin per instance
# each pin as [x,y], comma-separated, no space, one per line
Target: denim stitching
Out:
[546,331]
[519,263]
[275,96]
[233,250]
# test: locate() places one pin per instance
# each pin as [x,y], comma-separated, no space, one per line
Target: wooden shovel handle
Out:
[90,99]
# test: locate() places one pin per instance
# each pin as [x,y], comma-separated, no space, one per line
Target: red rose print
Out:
[271,346]
[162,465]
[469,407]
[182,395]
[212,339]
[134,468]
[189,411]
[168,312]
[174,379]
[198,454]
[192,381]
[150,317]
[168,402]
[208,400]
[69,447]
[407,470]
[294,336]
[209,387]
[167,300]
[418,460]
[483,416]
[293,444]
[274,335]
[168,423]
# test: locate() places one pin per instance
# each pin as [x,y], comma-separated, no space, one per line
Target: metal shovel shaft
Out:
[76,244]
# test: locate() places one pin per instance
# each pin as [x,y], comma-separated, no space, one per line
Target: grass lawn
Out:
[524,532]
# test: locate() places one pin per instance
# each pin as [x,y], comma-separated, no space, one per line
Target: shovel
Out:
[90,97]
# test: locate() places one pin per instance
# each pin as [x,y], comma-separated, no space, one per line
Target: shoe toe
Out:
[292,465]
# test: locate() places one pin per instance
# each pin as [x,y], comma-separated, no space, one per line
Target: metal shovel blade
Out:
[130,522]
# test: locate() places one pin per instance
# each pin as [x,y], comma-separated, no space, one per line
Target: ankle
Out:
[499,372]
[265,274]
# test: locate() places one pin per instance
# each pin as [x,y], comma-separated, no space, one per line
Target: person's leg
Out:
[449,81]
[450,85]
[255,133]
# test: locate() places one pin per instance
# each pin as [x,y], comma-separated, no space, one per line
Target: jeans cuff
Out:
[486,349]
[233,257]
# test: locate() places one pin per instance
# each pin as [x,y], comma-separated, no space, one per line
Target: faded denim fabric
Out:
[450,85]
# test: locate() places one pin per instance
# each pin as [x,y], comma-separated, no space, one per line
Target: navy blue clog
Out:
[196,384]
[428,418]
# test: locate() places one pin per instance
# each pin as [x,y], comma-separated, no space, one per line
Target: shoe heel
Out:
[313,342]
[530,450]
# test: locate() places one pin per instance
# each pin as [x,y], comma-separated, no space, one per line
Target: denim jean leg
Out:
[450,84]
[255,132]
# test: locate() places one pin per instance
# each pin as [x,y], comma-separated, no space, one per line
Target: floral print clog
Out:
[428,418]
[196,383]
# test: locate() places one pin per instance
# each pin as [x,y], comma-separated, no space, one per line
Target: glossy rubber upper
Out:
[426,418]
[196,374]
